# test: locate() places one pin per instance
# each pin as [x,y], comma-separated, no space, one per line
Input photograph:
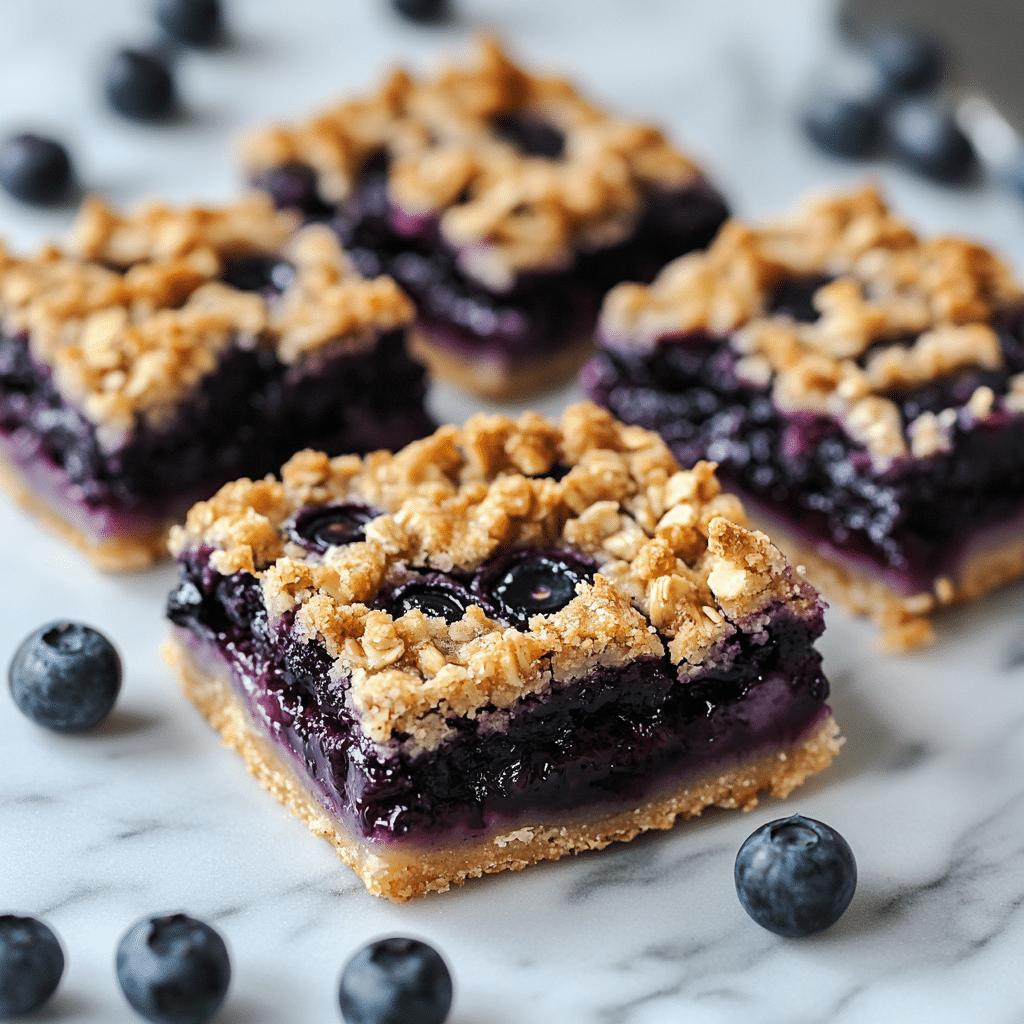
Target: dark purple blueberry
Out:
[194,22]
[257,273]
[173,969]
[293,186]
[184,603]
[794,297]
[844,125]
[65,677]
[320,527]
[139,86]
[925,136]
[31,964]
[795,876]
[530,135]
[423,12]
[434,596]
[906,60]
[34,169]
[395,981]
[530,582]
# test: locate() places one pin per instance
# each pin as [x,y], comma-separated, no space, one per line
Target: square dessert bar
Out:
[158,355]
[504,203]
[862,390]
[500,645]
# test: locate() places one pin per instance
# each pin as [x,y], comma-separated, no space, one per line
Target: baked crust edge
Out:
[403,874]
[116,554]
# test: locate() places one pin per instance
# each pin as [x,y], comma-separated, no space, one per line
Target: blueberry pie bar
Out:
[158,355]
[500,645]
[861,388]
[504,203]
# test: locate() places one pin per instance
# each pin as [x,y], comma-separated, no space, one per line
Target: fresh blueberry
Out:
[795,876]
[173,969]
[193,22]
[395,981]
[924,134]
[258,273]
[907,61]
[293,185]
[530,135]
[424,12]
[139,86]
[434,596]
[34,169]
[319,527]
[794,297]
[842,124]
[31,963]
[65,677]
[532,582]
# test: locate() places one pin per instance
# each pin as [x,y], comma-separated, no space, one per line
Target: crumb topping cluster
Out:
[674,558]
[130,313]
[886,285]
[505,211]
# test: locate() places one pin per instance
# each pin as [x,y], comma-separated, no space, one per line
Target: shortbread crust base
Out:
[401,873]
[491,379]
[903,620]
[115,554]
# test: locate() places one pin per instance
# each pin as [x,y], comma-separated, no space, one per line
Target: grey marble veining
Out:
[149,813]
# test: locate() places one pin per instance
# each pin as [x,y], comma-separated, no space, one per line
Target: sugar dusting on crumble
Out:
[504,211]
[675,561]
[888,284]
[130,314]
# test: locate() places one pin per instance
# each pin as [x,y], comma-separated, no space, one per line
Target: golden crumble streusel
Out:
[504,211]
[674,561]
[885,284]
[130,313]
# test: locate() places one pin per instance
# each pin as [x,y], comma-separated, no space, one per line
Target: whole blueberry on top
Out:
[395,981]
[319,527]
[31,963]
[532,581]
[194,22]
[434,595]
[258,273]
[924,134]
[907,60]
[139,86]
[424,12]
[65,676]
[34,169]
[173,969]
[795,876]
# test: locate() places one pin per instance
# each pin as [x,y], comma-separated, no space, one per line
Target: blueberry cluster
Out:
[892,105]
[138,84]
[175,969]
[512,587]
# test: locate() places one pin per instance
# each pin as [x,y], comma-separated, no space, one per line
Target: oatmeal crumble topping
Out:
[675,561]
[887,283]
[130,314]
[506,212]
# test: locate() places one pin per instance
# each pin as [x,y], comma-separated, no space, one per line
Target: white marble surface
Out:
[148,813]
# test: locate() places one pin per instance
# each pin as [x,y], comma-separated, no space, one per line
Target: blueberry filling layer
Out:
[243,420]
[543,311]
[615,736]
[912,520]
